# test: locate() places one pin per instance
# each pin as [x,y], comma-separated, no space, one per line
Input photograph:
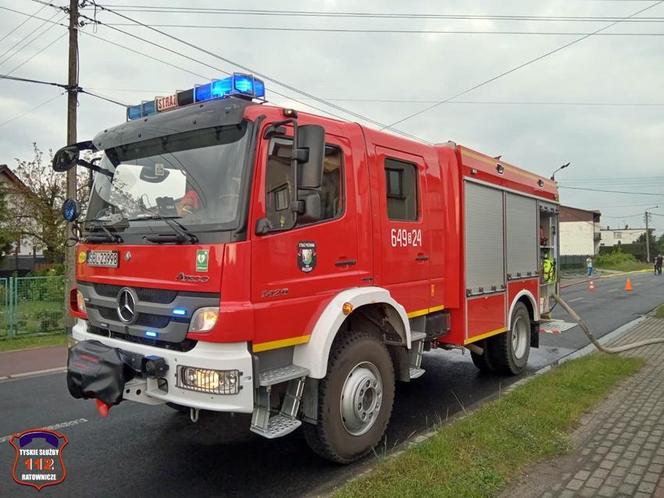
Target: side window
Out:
[279,188]
[401,189]
[331,191]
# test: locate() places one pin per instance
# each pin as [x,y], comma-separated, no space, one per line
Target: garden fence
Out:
[31,305]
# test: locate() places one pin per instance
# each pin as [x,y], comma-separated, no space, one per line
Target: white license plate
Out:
[108,259]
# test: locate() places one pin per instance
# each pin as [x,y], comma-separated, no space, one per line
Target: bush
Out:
[615,258]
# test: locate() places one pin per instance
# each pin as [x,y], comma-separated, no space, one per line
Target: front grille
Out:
[184,346]
[159,296]
[144,319]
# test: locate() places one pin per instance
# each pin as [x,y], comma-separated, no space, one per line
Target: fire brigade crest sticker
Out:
[306,255]
[38,460]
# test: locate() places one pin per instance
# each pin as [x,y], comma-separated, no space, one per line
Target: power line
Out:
[32,109]
[28,80]
[385,31]
[250,70]
[611,191]
[30,16]
[367,15]
[2,56]
[49,45]
[194,60]
[520,66]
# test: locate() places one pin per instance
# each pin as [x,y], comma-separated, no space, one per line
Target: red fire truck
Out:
[241,257]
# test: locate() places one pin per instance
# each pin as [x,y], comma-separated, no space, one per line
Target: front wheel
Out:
[509,351]
[354,399]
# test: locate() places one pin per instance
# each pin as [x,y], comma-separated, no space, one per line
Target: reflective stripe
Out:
[281,343]
[485,335]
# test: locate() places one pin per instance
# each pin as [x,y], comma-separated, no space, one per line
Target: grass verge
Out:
[660,311]
[478,454]
[37,341]
[627,266]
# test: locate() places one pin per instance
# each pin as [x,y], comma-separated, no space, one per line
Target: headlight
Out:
[209,381]
[204,319]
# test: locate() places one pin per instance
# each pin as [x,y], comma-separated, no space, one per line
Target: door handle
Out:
[422,257]
[345,262]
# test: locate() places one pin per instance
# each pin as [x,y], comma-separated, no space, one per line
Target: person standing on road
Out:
[658,264]
[589,265]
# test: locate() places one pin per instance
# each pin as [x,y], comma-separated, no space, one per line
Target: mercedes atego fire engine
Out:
[241,257]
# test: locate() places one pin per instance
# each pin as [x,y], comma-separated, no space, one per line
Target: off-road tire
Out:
[329,437]
[483,361]
[502,353]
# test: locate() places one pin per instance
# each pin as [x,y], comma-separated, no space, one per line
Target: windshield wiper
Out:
[181,231]
[108,235]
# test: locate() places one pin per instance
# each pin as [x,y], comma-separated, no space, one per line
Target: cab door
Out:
[399,182]
[296,271]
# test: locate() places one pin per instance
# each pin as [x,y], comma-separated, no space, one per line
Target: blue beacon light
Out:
[151,333]
[179,312]
[239,85]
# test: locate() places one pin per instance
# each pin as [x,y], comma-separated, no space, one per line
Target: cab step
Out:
[273,425]
[281,374]
[415,355]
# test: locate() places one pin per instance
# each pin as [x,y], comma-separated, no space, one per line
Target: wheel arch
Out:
[365,301]
[526,297]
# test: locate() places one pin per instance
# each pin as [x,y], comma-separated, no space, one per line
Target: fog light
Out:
[205,380]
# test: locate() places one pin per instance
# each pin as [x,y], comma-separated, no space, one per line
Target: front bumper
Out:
[215,356]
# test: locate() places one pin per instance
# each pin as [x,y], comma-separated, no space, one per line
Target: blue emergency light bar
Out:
[239,85]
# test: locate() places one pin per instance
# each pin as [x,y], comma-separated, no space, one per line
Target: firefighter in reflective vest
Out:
[548,269]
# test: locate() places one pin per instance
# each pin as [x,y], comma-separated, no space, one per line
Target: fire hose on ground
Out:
[586,330]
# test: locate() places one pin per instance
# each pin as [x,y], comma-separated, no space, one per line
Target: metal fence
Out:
[31,305]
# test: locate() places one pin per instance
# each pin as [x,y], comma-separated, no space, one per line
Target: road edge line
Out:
[34,373]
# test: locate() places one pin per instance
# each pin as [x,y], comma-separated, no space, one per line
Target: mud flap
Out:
[534,334]
[95,370]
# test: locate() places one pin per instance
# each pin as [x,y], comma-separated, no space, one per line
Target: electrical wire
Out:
[30,16]
[385,31]
[610,191]
[49,45]
[32,109]
[366,15]
[2,56]
[250,70]
[520,66]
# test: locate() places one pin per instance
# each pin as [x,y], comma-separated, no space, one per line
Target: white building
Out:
[617,236]
[579,231]
[23,256]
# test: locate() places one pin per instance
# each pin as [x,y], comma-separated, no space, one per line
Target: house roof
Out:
[568,213]
[10,175]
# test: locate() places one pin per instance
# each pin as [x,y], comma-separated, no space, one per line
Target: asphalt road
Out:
[154,451]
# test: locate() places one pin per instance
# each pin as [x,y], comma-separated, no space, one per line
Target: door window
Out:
[279,185]
[401,189]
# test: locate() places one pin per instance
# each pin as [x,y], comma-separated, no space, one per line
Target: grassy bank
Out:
[32,342]
[478,454]
[620,261]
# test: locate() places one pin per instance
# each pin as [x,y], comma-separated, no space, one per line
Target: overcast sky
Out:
[538,117]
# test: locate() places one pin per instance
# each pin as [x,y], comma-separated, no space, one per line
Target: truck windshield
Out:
[194,177]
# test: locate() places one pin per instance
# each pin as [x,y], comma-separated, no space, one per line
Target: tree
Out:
[35,209]
[5,234]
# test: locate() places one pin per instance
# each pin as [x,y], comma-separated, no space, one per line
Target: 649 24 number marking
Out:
[401,237]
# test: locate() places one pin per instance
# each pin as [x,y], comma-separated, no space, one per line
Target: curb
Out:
[34,373]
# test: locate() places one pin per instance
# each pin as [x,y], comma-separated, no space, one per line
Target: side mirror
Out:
[155,173]
[65,159]
[310,207]
[311,151]
[70,210]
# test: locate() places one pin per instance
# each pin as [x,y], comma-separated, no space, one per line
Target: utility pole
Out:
[72,104]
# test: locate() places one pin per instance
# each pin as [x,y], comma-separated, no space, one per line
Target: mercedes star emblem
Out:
[127,305]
